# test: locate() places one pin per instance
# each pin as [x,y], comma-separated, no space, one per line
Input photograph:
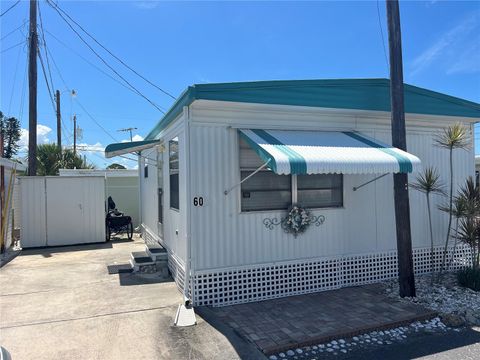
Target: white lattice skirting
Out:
[268,281]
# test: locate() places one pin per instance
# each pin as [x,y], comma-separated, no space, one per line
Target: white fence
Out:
[61,210]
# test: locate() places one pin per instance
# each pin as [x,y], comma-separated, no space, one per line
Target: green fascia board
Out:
[116,147]
[355,94]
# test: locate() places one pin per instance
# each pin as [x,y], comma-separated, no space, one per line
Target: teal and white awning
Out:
[128,147]
[327,152]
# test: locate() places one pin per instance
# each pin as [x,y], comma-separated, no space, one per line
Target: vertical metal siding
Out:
[33,216]
[62,210]
[224,237]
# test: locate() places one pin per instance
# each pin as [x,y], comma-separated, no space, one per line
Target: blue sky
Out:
[176,44]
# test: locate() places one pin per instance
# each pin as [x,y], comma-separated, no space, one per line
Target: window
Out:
[174,174]
[321,190]
[145,171]
[268,191]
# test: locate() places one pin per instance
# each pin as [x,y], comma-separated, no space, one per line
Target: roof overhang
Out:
[327,152]
[123,148]
[10,164]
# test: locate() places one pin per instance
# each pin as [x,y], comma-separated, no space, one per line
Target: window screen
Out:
[318,191]
[265,191]
[174,174]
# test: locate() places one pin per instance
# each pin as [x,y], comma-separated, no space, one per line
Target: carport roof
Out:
[360,94]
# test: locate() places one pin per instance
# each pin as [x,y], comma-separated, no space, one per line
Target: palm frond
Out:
[455,136]
[429,182]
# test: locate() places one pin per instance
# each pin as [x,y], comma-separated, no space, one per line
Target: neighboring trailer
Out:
[226,237]
[61,210]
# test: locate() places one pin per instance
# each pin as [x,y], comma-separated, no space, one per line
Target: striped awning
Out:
[327,152]
[129,147]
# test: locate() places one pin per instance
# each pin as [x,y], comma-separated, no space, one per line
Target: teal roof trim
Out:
[127,147]
[359,94]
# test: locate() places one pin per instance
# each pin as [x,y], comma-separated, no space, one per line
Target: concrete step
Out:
[156,252]
[142,258]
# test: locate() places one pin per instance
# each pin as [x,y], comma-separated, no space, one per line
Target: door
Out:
[75,210]
[160,193]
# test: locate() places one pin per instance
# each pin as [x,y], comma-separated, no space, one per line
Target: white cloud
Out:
[448,47]
[43,133]
[135,137]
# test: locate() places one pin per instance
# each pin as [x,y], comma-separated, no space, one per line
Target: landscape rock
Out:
[453,320]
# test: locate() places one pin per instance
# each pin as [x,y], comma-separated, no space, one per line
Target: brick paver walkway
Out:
[280,324]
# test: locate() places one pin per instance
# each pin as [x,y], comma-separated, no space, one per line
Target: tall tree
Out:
[10,129]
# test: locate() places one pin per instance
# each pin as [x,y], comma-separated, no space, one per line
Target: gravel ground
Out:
[456,306]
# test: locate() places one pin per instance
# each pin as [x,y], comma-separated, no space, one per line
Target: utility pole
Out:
[129,130]
[32,90]
[59,120]
[406,278]
[75,134]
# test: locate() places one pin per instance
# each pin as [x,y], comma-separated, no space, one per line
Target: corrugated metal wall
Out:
[175,222]
[224,237]
[62,210]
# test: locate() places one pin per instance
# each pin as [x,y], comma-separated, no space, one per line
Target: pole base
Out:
[185,316]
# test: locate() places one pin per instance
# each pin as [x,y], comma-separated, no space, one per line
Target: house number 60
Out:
[198,201]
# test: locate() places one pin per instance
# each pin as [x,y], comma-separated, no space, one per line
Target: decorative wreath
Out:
[297,220]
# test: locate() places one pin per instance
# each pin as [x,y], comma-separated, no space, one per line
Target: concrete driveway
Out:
[61,303]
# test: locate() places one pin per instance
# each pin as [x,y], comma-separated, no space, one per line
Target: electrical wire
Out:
[92,64]
[14,46]
[14,79]
[10,8]
[58,8]
[14,30]
[383,38]
[106,63]
[50,93]
[45,45]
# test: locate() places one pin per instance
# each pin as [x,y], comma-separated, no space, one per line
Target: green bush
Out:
[469,277]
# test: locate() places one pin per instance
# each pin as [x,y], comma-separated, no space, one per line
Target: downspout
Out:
[188,263]
[140,186]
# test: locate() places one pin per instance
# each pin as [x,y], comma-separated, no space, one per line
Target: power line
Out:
[14,46]
[55,6]
[14,30]
[45,45]
[92,64]
[50,92]
[106,63]
[383,38]
[65,128]
[14,79]
[10,8]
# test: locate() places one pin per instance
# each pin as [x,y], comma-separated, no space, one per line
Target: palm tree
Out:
[459,210]
[50,158]
[453,137]
[428,183]
[469,228]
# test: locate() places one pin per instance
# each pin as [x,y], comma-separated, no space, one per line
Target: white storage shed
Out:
[221,170]
[120,184]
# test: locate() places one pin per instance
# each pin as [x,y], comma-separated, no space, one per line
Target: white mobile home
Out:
[222,169]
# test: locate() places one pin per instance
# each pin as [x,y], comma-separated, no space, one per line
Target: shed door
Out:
[75,210]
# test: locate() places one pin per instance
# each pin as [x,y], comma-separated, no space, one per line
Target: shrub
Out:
[469,277]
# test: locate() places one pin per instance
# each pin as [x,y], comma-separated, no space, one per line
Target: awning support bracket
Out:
[226,192]
[355,188]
